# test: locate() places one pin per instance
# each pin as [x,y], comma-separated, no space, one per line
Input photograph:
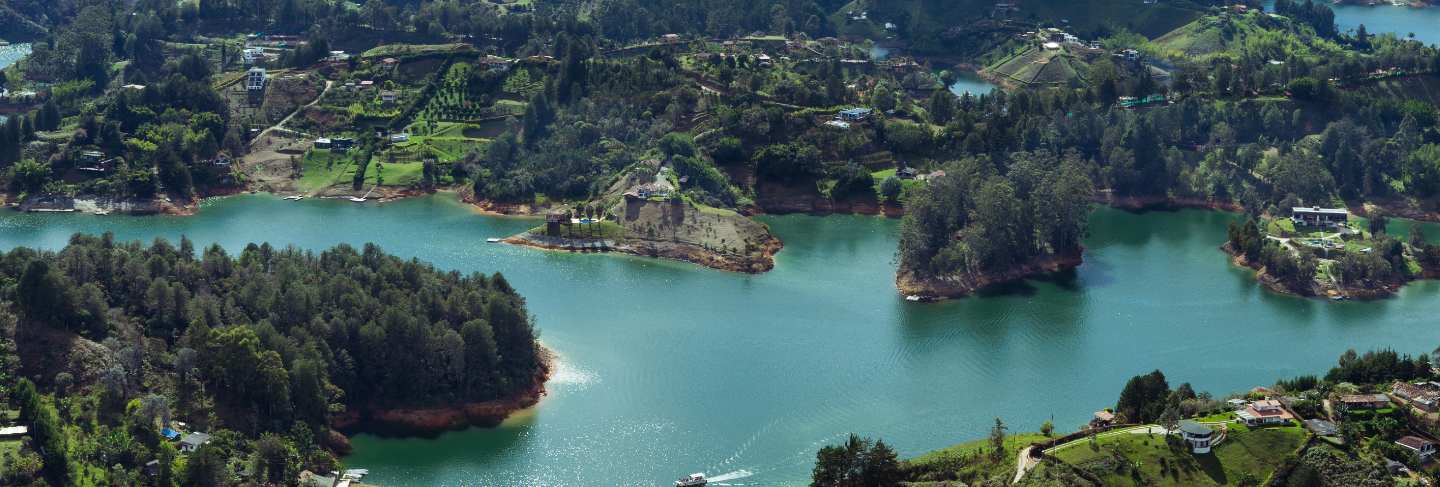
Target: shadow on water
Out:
[1066,280]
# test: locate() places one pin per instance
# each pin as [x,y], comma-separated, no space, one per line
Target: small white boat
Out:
[102,212]
[913,298]
[294,198]
[692,480]
[492,240]
[357,199]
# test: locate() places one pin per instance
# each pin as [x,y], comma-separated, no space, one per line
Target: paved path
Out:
[1024,463]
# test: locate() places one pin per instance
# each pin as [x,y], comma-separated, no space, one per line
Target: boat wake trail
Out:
[736,475]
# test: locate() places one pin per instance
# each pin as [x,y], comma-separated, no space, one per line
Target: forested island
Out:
[183,366]
[1367,422]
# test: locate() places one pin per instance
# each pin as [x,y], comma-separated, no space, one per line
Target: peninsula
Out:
[192,357]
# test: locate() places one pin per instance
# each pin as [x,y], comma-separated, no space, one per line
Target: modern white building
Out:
[253,55]
[255,80]
[1197,435]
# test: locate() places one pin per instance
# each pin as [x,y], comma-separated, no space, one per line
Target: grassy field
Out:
[399,50]
[394,173]
[1042,67]
[1125,459]
[972,462]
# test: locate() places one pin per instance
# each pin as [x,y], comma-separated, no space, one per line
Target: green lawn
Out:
[10,447]
[972,462]
[1126,459]
[322,168]
[395,173]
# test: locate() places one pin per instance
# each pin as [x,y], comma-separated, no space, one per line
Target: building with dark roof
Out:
[1320,217]
[1420,446]
[1197,435]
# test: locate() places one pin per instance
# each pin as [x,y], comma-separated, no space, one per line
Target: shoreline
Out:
[939,288]
[1317,289]
[659,249]
[432,421]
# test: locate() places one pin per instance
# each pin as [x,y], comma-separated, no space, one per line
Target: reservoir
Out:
[668,368]
[1403,21]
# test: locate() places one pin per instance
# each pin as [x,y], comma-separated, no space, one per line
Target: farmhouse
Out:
[1365,401]
[1320,217]
[1422,447]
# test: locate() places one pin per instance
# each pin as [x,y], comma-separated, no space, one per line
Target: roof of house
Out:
[1415,391]
[1266,404]
[1195,428]
[1319,210]
[856,111]
[195,439]
[169,433]
[13,431]
[1413,442]
[1365,398]
[1104,415]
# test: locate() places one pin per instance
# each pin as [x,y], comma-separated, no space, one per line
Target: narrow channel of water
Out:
[669,368]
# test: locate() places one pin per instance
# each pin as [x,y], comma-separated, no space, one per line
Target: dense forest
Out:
[114,341]
[974,220]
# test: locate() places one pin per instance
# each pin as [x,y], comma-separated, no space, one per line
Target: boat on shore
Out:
[357,199]
[294,197]
[493,240]
[692,480]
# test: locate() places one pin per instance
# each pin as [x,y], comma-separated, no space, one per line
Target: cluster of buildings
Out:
[1202,437]
[1425,396]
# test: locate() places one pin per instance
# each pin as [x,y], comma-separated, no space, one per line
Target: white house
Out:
[255,80]
[1197,435]
[1318,216]
[252,55]
[193,441]
[1422,447]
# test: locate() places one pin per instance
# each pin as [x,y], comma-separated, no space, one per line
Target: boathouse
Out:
[555,220]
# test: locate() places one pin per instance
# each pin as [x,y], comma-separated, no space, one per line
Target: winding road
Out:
[280,127]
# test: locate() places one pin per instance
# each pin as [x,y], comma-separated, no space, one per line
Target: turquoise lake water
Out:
[1424,23]
[668,368]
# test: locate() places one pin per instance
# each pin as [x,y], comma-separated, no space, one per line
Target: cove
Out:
[668,368]
[1401,21]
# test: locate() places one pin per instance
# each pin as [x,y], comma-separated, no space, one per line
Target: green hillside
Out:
[1254,35]
[928,22]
